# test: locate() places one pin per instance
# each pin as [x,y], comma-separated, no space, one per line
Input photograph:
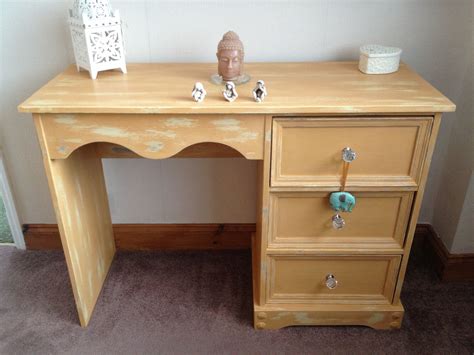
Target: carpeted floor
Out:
[200,302]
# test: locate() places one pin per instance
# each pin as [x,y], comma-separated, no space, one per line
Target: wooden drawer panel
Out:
[307,152]
[304,220]
[152,136]
[361,279]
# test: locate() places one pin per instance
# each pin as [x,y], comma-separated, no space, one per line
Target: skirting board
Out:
[450,267]
[154,236]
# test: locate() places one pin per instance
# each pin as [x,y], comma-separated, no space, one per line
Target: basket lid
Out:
[375,50]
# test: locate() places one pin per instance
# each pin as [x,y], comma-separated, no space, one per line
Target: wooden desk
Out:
[313,111]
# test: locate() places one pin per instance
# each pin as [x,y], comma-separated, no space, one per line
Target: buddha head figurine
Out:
[230,54]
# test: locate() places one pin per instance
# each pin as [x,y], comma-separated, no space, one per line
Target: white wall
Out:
[35,46]
[453,210]
[463,240]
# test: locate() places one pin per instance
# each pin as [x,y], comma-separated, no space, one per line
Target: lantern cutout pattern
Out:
[96,33]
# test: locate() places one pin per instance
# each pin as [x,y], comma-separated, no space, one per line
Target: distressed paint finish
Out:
[148,113]
[389,151]
[283,315]
[378,223]
[362,279]
[417,205]
[259,240]
[80,200]
[296,88]
[153,136]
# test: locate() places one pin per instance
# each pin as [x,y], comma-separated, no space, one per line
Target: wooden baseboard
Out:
[450,267]
[155,236]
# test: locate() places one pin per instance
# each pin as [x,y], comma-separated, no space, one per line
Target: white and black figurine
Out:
[199,93]
[260,91]
[230,93]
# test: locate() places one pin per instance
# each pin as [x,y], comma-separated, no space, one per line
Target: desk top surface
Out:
[293,88]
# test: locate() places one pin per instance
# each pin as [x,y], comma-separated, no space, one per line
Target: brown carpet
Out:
[200,302]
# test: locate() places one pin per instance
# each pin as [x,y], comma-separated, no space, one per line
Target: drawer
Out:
[360,279]
[307,152]
[152,136]
[304,220]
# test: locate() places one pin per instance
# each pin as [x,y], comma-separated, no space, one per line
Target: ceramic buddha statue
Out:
[230,54]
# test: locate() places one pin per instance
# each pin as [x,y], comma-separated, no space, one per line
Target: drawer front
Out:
[307,152]
[304,220]
[153,136]
[360,279]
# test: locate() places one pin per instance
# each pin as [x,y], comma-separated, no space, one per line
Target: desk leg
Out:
[80,200]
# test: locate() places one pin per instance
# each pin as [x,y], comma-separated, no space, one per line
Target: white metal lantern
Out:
[96,33]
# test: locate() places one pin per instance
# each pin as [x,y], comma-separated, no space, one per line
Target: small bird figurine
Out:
[199,93]
[260,91]
[230,93]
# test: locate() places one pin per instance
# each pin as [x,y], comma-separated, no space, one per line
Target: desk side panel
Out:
[428,155]
[259,241]
[80,201]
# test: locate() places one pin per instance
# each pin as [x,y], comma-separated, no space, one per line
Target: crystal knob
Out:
[348,155]
[331,282]
[338,222]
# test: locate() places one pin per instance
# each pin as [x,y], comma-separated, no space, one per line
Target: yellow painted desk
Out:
[312,112]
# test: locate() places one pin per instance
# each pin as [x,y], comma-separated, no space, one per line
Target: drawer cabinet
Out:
[307,152]
[304,220]
[360,279]
[317,274]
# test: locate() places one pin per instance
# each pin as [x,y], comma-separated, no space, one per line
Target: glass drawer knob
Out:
[331,282]
[348,155]
[338,222]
